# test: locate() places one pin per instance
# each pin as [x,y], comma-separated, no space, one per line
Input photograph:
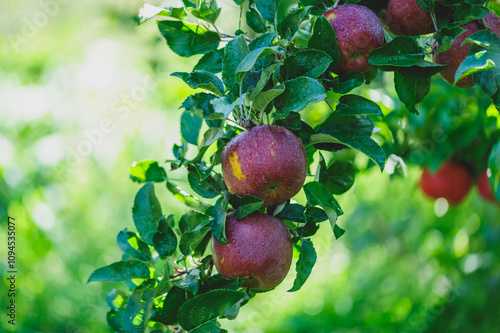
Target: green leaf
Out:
[208,10]
[339,177]
[478,62]
[190,282]
[114,319]
[211,136]
[190,127]
[191,239]
[223,106]
[211,62]
[218,225]
[239,2]
[167,314]
[147,171]
[207,187]
[338,231]
[324,39]
[489,81]
[344,83]
[304,265]
[264,79]
[120,271]
[310,63]
[262,100]
[202,79]
[486,39]
[298,94]
[164,284]
[206,307]
[465,12]
[192,220]
[186,198]
[200,104]
[236,50]
[292,122]
[263,40]
[290,23]
[445,37]
[318,195]
[245,205]
[357,105]
[255,20]
[353,138]
[250,59]
[146,212]
[132,245]
[292,212]
[208,327]
[165,241]
[138,310]
[148,11]
[187,39]
[427,5]
[402,51]
[411,88]
[267,8]
[494,165]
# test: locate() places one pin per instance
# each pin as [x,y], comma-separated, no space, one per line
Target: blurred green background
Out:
[84,92]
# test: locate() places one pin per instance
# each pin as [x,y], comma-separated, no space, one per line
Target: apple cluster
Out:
[268,162]
[453,182]
[406,18]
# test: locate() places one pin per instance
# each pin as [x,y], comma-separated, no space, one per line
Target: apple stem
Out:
[433,17]
[333,100]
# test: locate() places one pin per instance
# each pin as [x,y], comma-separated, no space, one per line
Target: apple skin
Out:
[266,161]
[484,187]
[456,55]
[405,17]
[259,249]
[492,22]
[451,181]
[358,31]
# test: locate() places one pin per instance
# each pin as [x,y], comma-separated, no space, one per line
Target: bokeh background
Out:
[84,92]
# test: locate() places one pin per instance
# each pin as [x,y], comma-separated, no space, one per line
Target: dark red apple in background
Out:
[266,161]
[456,55]
[259,250]
[358,31]
[405,17]
[484,187]
[492,23]
[451,181]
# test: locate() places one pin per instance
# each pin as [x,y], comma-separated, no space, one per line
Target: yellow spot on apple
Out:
[222,261]
[236,166]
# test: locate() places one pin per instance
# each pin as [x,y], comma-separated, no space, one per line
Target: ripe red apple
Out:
[266,161]
[259,250]
[456,55]
[451,181]
[484,187]
[358,31]
[405,17]
[492,22]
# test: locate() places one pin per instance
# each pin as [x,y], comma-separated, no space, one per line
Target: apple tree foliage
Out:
[268,71]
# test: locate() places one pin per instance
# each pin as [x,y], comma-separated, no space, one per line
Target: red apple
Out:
[451,181]
[358,31]
[492,22]
[259,250]
[484,187]
[405,17]
[456,55]
[266,161]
